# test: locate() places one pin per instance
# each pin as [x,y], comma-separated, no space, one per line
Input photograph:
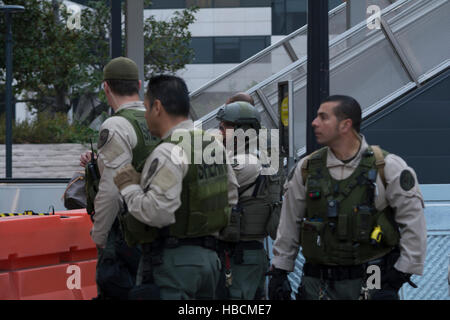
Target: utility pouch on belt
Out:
[147,290]
[312,241]
[254,218]
[233,230]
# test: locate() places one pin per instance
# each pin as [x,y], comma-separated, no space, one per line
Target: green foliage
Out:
[49,128]
[55,65]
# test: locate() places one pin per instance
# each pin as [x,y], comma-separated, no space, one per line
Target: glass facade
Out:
[227,49]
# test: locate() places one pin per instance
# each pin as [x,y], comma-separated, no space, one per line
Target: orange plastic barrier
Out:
[40,257]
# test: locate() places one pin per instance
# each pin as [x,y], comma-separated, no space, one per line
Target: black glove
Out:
[394,279]
[279,286]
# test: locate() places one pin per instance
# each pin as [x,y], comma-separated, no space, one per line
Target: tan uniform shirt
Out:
[408,207]
[112,155]
[158,196]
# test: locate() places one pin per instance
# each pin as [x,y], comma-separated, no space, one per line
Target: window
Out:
[227,49]
[290,15]
[203,49]
[180,4]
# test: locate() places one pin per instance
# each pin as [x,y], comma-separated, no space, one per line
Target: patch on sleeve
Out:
[407,180]
[164,179]
[113,154]
[103,138]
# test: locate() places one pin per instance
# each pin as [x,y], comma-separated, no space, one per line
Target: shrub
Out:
[48,128]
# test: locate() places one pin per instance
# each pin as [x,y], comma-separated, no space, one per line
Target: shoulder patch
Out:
[407,180]
[153,167]
[102,138]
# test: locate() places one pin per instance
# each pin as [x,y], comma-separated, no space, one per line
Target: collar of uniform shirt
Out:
[186,124]
[333,161]
[132,104]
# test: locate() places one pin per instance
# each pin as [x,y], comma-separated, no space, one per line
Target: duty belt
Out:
[207,242]
[236,249]
[334,273]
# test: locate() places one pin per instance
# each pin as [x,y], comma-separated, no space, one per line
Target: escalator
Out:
[375,66]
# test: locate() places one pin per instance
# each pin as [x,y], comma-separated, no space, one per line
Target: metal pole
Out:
[8,95]
[116,28]
[318,82]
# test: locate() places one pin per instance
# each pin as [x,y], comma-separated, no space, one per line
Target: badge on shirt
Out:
[407,180]
[103,138]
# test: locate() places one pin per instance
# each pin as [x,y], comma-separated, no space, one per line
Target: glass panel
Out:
[252,45]
[241,79]
[226,3]
[199,3]
[425,52]
[203,49]
[368,72]
[167,4]
[226,50]
[255,3]
[278,17]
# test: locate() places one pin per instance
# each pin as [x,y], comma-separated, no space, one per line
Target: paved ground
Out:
[43,160]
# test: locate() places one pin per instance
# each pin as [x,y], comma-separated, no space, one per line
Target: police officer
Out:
[124,139]
[244,258]
[349,205]
[177,206]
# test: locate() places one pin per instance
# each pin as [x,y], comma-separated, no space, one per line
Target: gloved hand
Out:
[395,279]
[126,176]
[279,286]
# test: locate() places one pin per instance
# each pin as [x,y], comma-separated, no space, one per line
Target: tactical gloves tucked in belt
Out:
[126,176]
[279,286]
[394,279]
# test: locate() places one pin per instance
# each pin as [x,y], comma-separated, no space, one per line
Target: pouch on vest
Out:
[275,208]
[363,224]
[312,241]
[390,235]
[255,215]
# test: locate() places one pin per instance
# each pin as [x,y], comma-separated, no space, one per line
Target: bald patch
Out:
[241,96]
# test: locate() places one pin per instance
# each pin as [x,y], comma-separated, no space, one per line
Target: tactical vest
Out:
[260,209]
[341,215]
[146,143]
[204,206]
[144,146]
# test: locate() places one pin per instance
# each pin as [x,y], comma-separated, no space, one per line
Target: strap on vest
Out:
[379,162]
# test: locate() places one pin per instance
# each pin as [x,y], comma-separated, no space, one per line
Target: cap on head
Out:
[121,69]
[241,114]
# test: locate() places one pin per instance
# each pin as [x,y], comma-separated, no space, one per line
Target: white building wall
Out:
[218,22]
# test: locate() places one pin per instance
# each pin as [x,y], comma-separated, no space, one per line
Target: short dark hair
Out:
[347,108]
[172,92]
[124,87]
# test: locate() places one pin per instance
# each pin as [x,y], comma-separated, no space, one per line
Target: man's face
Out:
[326,125]
[150,116]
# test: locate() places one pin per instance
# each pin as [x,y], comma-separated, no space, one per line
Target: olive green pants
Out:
[187,272]
[313,288]
[247,278]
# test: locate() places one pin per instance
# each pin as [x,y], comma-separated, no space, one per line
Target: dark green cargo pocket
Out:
[312,242]
[390,236]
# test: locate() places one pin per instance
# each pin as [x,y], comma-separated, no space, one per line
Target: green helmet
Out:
[241,114]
